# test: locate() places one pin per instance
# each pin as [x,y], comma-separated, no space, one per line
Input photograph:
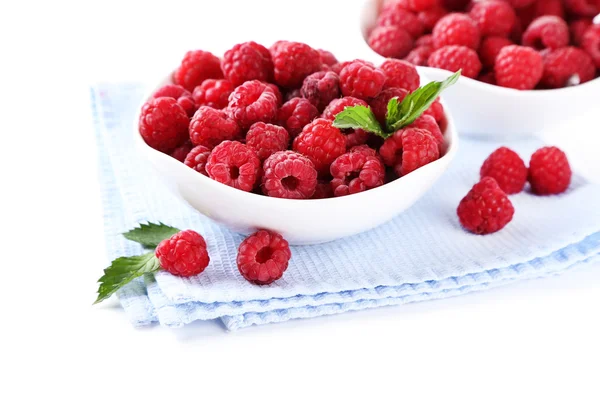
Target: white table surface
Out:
[532,340]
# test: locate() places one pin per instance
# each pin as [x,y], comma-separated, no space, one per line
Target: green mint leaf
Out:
[150,235]
[415,103]
[122,271]
[393,112]
[358,117]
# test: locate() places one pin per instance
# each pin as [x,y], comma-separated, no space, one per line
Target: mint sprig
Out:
[150,235]
[399,114]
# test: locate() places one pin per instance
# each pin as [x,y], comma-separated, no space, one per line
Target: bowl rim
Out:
[450,134]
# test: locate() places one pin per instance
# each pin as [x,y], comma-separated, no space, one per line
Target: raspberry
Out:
[251,102]
[578,28]
[419,55]
[546,32]
[507,168]
[403,19]
[488,77]
[295,114]
[267,139]
[591,43]
[183,254]
[247,62]
[209,127]
[436,110]
[356,137]
[293,62]
[196,159]
[518,67]
[234,164]
[289,175]
[453,58]
[379,103]
[485,209]
[583,8]
[338,105]
[425,40]
[361,80]
[456,29]
[321,142]
[493,17]
[428,123]
[327,57]
[356,172]
[323,190]
[390,41]
[320,88]
[196,67]
[364,149]
[409,149]
[563,65]
[549,7]
[490,47]
[179,153]
[183,97]
[400,74]
[277,92]
[456,5]
[431,16]
[549,171]
[420,5]
[163,124]
[291,94]
[213,93]
[263,257]
[521,3]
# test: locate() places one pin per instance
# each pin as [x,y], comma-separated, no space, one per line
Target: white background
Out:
[533,340]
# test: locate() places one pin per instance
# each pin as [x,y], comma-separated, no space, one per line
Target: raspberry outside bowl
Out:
[484,110]
[301,222]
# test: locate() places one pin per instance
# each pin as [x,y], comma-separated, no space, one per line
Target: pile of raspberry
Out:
[261,120]
[519,44]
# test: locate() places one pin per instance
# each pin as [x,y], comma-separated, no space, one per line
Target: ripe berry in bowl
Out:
[523,71]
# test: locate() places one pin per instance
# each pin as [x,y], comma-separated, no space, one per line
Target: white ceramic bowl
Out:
[485,110]
[299,221]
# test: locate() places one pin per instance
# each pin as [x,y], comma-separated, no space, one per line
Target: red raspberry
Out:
[163,124]
[578,28]
[456,5]
[364,149]
[431,17]
[247,62]
[291,94]
[453,58]
[390,41]
[493,17]
[583,8]
[428,123]
[263,257]
[361,80]
[591,43]
[251,102]
[507,168]
[549,7]
[182,151]
[323,190]
[295,114]
[196,159]
[213,93]
[327,57]
[419,55]
[209,127]
[456,29]
[425,40]
[183,254]
[488,77]
[521,3]
[379,104]
[546,32]
[277,92]
[490,47]
[293,62]
[356,137]
[320,88]
[338,105]
[267,139]
[289,175]
[356,172]
[183,97]
[321,142]
[196,67]
[400,74]
[420,5]
[485,209]
[409,149]
[436,110]
[401,18]
[549,171]
[561,66]
[518,67]
[234,164]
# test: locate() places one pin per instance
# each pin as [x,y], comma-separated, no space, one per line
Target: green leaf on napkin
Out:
[150,235]
[122,271]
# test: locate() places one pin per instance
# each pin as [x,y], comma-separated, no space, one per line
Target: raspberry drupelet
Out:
[355,172]
[209,127]
[289,175]
[179,93]
[507,168]
[263,257]
[361,80]
[234,164]
[322,143]
[252,101]
[196,67]
[267,139]
[196,159]
[183,254]
[213,93]
[247,62]
[295,114]
[163,124]
[549,171]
